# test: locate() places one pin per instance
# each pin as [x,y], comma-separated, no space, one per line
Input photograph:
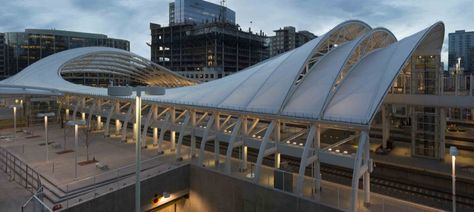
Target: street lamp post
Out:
[45,115]
[14,107]
[76,125]
[127,91]
[453,151]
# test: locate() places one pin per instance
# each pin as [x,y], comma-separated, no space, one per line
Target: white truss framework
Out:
[336,81]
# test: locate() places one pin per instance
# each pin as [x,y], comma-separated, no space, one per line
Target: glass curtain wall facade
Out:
[2,54]
[421,76]
[198,11]
[461,45]
[24,48]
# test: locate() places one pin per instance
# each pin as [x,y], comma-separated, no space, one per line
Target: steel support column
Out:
[109,116]
[204,139]
[173,132]
[182,132]
[442,133]
[165,125]
[216,140]
[304,159]
[385,126]
[125,122]
[263,151]
[193,136]
[232,144]
[243,164]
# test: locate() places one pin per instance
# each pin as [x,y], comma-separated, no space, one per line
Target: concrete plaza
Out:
[58,172]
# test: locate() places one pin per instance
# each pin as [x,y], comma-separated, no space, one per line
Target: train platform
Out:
[401,156]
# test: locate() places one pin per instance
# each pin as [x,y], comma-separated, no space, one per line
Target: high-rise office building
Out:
[2,54]
[287,39]
[203,42]
[207,51]
[461,45]
[21,49]
[199,12]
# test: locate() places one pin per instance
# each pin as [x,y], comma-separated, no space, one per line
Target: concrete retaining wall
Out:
[123,200]
[211,191]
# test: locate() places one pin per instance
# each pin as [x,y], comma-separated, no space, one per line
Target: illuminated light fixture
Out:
[301,144]
[288,142]
[205,127]
[259,136]
[453,151]
[338,151]
[253,136]
[345,152]
[330,149]
[294,143]
[128,91]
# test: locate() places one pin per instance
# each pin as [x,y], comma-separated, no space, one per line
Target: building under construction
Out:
[206,51]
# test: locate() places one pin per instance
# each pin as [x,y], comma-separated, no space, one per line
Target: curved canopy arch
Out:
[364,89]
[368,63]
[124,64]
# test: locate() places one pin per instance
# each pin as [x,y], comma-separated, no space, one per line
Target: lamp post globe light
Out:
[15,107]
[128,91]
[453,151]
[46,115]
[76,125]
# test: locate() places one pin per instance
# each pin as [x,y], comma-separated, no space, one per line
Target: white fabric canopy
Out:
[272,86]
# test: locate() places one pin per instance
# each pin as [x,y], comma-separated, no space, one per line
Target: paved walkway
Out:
[12,195]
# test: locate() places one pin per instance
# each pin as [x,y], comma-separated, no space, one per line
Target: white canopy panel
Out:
[304,83]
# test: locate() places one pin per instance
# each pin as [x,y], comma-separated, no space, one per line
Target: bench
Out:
[101,166]
[27,132]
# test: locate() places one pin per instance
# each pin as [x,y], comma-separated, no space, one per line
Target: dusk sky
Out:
[129,19]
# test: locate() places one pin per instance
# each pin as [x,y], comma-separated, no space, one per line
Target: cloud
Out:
[129,19]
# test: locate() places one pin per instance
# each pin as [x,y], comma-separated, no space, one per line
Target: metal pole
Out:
[46,135]
[76,128]
[454,182]
[14,123]
[138,120]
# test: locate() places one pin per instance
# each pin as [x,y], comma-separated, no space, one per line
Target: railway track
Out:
[412,192]
[402,190]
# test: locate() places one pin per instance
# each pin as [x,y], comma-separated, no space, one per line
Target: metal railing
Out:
[448,85]
[19,171]
[35,203]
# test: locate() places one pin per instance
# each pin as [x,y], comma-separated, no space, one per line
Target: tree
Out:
[87,131]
